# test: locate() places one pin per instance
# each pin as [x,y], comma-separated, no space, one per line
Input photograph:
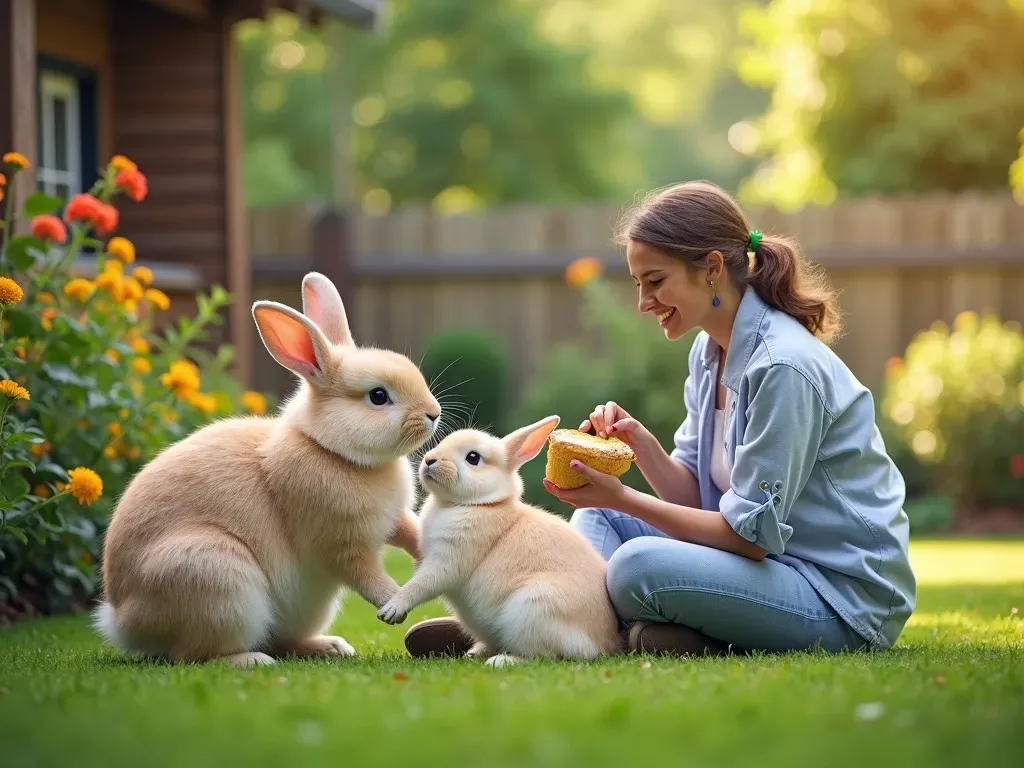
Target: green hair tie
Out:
[755,240]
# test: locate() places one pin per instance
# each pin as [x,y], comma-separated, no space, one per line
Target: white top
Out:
[720,469]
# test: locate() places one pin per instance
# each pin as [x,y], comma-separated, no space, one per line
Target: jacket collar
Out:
[745,330]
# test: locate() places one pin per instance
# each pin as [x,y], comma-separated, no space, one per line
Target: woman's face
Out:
[668,290]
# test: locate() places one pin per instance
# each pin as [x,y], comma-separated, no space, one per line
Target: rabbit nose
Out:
[430,462]
[433,416]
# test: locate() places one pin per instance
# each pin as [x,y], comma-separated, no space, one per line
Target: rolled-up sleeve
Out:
[785,424]
[685,438]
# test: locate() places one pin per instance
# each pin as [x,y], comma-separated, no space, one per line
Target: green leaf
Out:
[41,203]
[51,469]
[25,463]
[13,487]
[17,533]
[63,374]
[23,251]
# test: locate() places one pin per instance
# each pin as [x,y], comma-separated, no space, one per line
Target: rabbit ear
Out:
[292,339]
[525,443]
[322,304]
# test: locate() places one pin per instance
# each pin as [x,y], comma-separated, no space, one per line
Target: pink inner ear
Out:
[289,339]
[532,445]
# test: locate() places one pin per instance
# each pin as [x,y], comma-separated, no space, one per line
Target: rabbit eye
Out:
[379,396]
[473,458]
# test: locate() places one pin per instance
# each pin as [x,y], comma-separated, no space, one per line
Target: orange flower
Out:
[134,183]
[85,207]
[17,160]
[122,163]
[106,219]
[79,288]
[143,274]
[48,227]
[46,318]
[133,289]
[3,179]
[141,365]
[45,297]
[582,271]
[10,291]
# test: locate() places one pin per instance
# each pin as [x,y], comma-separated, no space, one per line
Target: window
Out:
[60,134]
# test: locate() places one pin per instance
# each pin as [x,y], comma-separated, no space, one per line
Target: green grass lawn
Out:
[951,693]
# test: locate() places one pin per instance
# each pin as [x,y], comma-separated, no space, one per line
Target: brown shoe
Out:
[438,637]
[672,639]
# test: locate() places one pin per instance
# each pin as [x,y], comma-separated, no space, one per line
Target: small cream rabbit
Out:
[521,580]
[235,542]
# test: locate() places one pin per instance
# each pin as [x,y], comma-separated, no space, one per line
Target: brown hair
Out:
[691,220]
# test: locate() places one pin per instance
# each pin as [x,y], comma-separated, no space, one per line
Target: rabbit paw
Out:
[392,613]
[479,651]
[247,660]
[502,660]
[324,645]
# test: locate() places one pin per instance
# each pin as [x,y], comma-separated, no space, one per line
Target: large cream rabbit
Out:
[521,581]
[235,542]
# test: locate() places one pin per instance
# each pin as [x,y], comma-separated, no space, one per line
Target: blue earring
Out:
[715,301]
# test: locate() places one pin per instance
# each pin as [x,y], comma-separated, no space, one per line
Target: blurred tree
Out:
[877,97]
[456,103]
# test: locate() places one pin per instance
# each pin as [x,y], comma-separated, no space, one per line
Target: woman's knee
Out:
[628,577]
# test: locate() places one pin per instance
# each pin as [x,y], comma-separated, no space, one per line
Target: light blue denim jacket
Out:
[811,481]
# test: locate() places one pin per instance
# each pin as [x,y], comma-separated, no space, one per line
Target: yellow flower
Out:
[38,450]
[140,345]
[13,390]
[133,289]
[134,452]
[86,486]
[79,288]
[42,491]
[17,160]
[46,318]
[122,248]
[254,401]
[114,266]
[158,298]
[110,452]
[113,354]
[45,297]
[114,428]
[143,274]
[202,402]
[123,414]
[136,387]
[10,291]
[20,351]
[183,378]
[122,163]
[111,281]
[141,365]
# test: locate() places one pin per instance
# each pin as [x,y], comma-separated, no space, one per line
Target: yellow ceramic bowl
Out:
[609,455]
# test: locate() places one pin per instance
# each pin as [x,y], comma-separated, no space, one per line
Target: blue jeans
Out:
[754,606]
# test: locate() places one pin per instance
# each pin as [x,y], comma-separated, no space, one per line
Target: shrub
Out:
[90,387]
[468,368]
[634,365]
[957,399]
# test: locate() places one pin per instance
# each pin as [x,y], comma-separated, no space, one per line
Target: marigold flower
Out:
[46,318]
[82,207]
[109,452]
[114,266]
[122,163]
[3,180]
[49,228]
[38,450]
[143,274]
[136,387]
[582,271]
[254,401]
[17,160]
[106,219]
[79,289]
[158,298]
[85,485]
[42,491]
[203,402]
[114,428]
[140,345]
[20,351]
[45,297]
[133,289]
[134,452]
[10,291]
[111,282]
[13,390]
[122,248]
[141,366]
[183,378]
[134,184]
[113,354]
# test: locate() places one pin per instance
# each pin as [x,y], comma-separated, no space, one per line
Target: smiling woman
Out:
[778,522]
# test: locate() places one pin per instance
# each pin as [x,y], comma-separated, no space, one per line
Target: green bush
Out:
[634,365]
[957,400]
[468,369]
[92,384]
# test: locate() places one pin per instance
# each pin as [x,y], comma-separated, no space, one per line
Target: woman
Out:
[778,523]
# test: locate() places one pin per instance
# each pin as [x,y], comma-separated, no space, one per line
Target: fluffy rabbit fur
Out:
[235,542]
[521,580]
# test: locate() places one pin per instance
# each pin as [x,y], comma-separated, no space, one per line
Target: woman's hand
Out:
[611,419]
[603,491]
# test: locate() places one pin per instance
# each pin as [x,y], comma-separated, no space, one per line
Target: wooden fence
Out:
[900,264]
